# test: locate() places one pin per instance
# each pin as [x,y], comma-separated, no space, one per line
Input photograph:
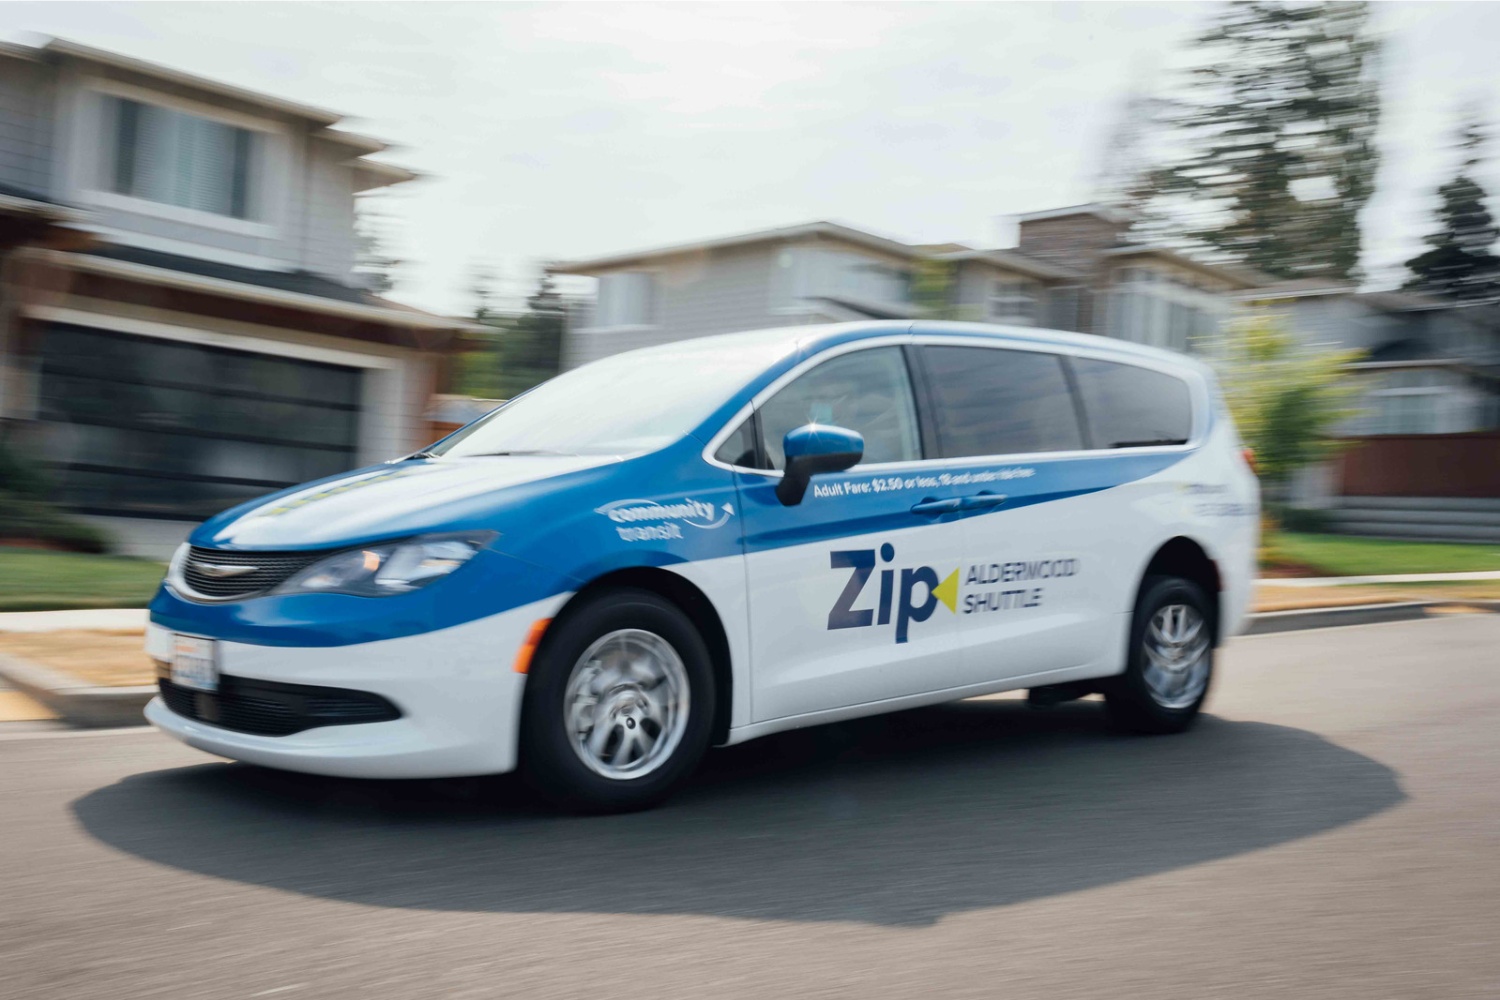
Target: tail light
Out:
[1248,454]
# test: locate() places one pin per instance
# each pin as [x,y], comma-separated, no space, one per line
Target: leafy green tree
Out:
[1285,399]
[1460,262]
[1272,142]
[933,289]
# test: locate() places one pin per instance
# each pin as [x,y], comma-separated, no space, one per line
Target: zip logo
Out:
[924,579]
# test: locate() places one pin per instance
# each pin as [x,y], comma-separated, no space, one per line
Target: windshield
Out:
[624,404]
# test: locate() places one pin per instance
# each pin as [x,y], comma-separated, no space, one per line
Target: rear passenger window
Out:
[866,391]
[1130,407]
[991,401]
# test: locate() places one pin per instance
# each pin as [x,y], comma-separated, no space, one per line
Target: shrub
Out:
[26,514]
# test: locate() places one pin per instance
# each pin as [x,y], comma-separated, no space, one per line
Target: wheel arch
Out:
[694,603]
[1183,557]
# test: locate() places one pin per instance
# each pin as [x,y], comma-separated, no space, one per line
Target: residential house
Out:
[1423,459]
[1426,454]
[1074,269]
[181,327]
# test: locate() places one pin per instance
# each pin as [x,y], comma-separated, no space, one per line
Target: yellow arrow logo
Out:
[947,592]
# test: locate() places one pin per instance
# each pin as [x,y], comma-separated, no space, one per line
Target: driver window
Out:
[866,391]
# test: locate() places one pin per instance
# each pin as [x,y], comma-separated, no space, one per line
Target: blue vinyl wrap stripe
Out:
[560,531]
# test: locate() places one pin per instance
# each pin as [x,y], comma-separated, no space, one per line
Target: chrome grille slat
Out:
[267,570]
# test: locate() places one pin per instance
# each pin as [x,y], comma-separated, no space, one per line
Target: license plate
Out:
[195,663]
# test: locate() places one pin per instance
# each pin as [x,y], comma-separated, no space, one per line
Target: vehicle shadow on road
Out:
[895,821]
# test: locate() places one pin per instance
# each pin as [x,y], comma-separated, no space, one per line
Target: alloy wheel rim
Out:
[1177,656]
[626,704]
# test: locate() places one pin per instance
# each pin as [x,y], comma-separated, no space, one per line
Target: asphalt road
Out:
[1330,829]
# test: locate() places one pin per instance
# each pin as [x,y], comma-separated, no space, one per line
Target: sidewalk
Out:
[104,619]
[1352,581]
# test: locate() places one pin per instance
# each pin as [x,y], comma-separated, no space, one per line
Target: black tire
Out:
[1128,697]
[549,763]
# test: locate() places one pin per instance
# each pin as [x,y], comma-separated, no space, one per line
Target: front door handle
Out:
[981,501]
[934,507]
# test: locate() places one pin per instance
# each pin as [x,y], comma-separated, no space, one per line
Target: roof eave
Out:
[833,230]
[1014,261]
[370,175]
[73,50]
[1243,277]
[258,293]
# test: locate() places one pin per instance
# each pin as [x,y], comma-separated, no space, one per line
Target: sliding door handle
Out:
[981,501]
[934,507]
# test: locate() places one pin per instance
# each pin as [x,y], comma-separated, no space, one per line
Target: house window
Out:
[802,273]
[175,158]
[626,299]
[1147,306]
[1013,300]
[868,281]
[1419,402]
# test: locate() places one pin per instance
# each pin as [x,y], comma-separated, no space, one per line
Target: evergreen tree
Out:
[1460,262]
[1274,139]
[372,259]
[531,346]
[477,370]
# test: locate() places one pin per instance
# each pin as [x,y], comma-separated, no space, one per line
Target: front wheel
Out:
[1170,660]
[618,704]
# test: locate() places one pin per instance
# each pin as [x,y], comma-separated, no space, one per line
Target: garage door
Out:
[140,426]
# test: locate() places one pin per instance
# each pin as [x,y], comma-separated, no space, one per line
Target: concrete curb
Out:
[74,701]
[1267,622]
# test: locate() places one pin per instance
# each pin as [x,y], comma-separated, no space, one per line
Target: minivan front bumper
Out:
[457,692]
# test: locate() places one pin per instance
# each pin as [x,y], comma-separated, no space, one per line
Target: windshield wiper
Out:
[1148,443]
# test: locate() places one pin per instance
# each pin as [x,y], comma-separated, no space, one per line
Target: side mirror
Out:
[811,450]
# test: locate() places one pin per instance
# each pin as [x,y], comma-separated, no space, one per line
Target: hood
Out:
[386,501]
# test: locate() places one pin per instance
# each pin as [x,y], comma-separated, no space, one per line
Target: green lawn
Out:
[1341,555]
[35,580]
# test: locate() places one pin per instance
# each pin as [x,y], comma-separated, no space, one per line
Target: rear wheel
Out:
[618,704]
[1171,659]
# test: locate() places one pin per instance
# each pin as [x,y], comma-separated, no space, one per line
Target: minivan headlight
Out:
[388,568]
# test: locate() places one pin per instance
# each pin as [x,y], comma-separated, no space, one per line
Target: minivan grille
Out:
[268,708]
[265,570]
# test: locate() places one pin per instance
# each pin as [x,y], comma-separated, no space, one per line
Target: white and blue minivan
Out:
[717,539]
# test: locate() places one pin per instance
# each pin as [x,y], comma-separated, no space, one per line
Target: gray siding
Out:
[716,292]
[27,96]
[328,215]
[54,142]
[1337,322]
[724,290]
[972,289]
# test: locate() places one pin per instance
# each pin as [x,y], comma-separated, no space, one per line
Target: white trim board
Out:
[210,338]
[198,251]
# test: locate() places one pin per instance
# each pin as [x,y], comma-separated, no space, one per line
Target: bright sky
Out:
[576,129]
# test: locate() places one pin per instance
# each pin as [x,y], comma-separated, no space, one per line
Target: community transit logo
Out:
[665,519]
